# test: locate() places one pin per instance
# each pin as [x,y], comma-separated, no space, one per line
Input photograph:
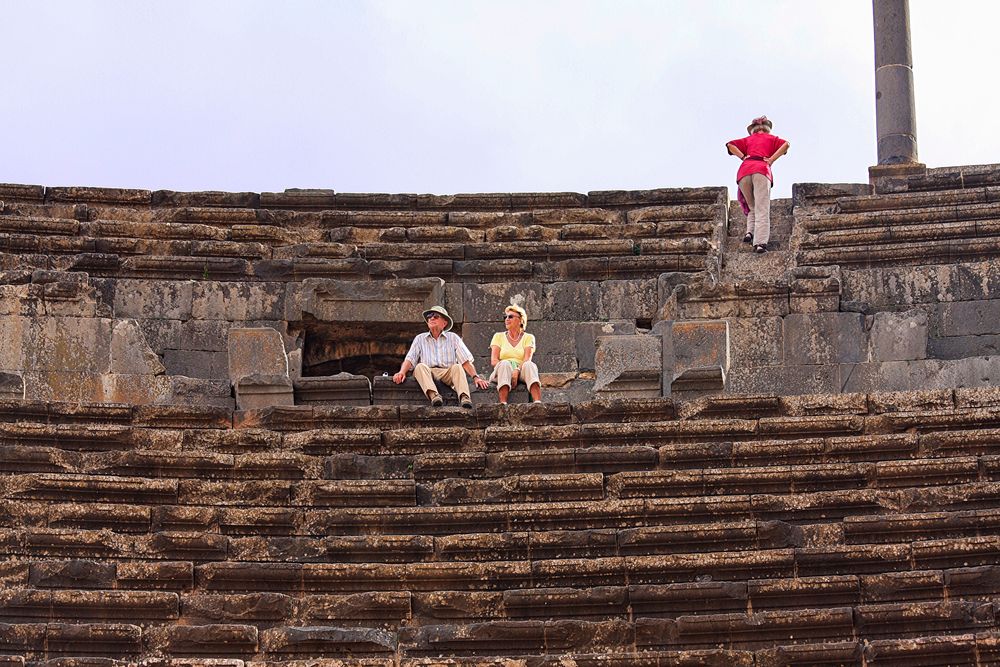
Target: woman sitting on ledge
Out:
[511,353]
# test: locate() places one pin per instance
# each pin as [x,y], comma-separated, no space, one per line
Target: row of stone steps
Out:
[457,456]
[31,235]
[58,517]
[306,199]
[853,540]
[938,217]
[218,223]
[647,530]
[963,631]
[211,267]
[275,487]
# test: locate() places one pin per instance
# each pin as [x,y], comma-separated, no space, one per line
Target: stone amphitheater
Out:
[788,459]
[739,460]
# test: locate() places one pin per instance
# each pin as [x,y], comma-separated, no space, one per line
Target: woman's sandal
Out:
[748,238]
[760,248]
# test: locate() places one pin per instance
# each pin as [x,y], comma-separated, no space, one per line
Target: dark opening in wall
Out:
[360,348]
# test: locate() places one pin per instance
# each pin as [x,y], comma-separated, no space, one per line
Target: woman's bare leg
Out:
[536,392]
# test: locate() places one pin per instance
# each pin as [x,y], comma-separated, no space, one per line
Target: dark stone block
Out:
[197,363]
[72,574]
[574,301]
[824,338]
[961,347]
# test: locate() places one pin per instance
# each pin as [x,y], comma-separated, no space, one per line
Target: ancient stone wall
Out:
[129,296]
[740,460]
[126,295]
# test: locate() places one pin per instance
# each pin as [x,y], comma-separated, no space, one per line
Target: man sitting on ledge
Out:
[440,355]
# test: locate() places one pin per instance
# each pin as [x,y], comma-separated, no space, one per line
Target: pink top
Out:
[758,145]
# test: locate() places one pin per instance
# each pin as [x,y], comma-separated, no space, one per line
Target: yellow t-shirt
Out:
[510,352]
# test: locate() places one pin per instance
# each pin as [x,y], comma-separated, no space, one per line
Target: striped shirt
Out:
[446,351]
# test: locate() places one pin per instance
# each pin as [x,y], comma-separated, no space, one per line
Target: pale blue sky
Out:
[469,95]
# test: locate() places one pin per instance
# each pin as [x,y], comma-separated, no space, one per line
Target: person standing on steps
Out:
[757,153]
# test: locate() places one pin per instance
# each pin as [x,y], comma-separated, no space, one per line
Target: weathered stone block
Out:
[210,335]
[630,365]
[263,391]
[71,387]
[161,335]
[899,336]
[698,380]
[485,302]
[19,300]
[135,389]
[969,318]
[975,372]
[71,344]
[454,302]
[295,364]
[256,352]
[960,347]
[16,335]
[129,352]
[755,341]
[893,286]
[587,334]
[824,338]
[196,363]
[340,389]
[360,301]
[574,301]
[238,302]
[784,380]
[154,299]
[11,386]
[69,294]
[629,299]
[700,344]
[898,376]
[200,391]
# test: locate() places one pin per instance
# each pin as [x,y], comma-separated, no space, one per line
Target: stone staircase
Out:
[758,530]
[740,263]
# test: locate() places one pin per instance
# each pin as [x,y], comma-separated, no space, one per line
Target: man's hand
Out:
[399,377]
[481,383]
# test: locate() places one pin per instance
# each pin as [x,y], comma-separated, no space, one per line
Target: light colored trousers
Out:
[504,372]
[454,376]
[756,190]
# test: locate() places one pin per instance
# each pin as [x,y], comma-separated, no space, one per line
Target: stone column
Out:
[895,118]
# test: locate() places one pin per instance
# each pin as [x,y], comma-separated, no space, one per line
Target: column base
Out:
[888,178]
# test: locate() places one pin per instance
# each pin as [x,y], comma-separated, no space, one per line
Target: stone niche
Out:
[361,328]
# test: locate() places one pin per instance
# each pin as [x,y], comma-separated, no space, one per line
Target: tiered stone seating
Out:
[293,235]
[760,530]
[941,216]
